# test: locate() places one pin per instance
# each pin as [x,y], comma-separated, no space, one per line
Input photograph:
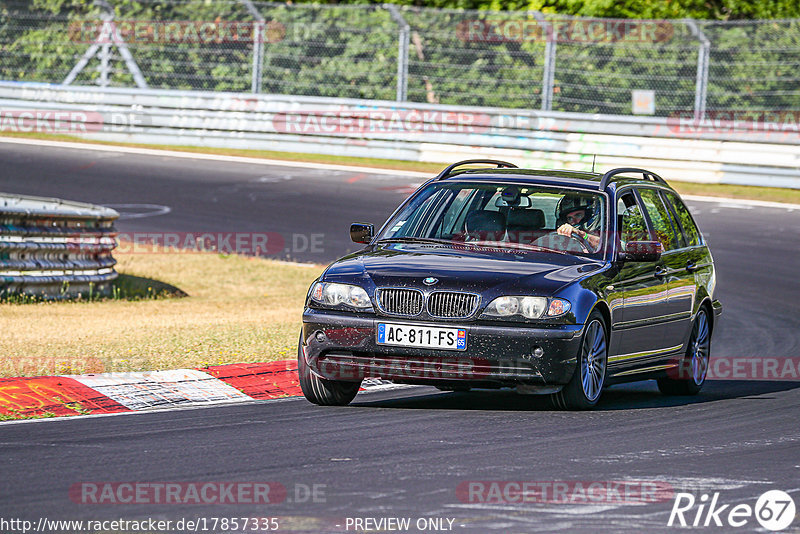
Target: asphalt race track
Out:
[404,452]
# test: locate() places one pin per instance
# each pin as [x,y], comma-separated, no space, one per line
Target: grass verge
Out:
[236,309]
[771,194]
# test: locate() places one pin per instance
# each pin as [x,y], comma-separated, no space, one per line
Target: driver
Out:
[580,220]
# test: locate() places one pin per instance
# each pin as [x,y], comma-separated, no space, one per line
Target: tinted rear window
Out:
[684,219]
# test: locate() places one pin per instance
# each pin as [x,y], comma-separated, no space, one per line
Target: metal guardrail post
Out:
[701,80]
[258,57]
[548,74]
[258,45]
[402,51]
[55,248]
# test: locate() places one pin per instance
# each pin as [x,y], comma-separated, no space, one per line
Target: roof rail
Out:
[449,169]
[647,175]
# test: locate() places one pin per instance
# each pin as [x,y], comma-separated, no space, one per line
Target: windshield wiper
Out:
[496,244]
[512,245]
[414,240]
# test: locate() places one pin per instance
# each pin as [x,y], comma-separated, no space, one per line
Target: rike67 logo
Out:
[774,510]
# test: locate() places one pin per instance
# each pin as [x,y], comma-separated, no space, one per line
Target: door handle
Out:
[691,266]
[660,272]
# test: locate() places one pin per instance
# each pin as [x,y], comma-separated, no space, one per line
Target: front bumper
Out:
[342,346]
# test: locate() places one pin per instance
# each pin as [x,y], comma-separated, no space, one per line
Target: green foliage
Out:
[351,51]
[628,9]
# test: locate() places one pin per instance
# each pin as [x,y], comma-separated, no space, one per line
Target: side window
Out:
[632,226]
[660,219]
[684,219]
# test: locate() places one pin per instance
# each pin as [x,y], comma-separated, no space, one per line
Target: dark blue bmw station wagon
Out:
[550,282]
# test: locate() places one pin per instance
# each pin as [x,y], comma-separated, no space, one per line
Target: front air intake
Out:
[398,301]
[452,304]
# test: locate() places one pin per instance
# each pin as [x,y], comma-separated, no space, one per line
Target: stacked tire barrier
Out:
[54,249]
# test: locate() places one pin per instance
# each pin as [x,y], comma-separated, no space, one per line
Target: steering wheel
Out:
[563,242]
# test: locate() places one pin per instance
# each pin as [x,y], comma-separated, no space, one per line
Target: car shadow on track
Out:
[642,395]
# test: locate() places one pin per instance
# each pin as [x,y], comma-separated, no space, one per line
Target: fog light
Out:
[538,352]
[320,337]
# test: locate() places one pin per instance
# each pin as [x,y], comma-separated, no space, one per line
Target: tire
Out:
[695,361]
[322,391]
[583,390]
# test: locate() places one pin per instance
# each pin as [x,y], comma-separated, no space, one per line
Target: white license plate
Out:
[427,337]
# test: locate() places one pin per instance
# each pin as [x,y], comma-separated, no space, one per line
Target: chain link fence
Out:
[498,59]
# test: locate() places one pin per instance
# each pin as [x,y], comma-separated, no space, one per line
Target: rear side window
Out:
[632,226]
[685,219]
[660,219]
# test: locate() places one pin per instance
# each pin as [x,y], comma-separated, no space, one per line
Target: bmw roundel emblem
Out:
[430,281]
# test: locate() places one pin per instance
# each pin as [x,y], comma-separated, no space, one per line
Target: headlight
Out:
[528,307]
[331,294]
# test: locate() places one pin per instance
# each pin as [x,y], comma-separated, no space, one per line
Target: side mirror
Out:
[641,251]
[361,232]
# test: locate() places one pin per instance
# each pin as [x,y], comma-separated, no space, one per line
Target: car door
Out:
[692,266]
[644,294]
[681,286]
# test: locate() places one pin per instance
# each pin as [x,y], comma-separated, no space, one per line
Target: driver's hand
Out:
[566,229]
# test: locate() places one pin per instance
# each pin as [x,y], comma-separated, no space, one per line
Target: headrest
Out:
[480,223]
[525,219]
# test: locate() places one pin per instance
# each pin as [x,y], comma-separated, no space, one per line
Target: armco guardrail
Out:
[718,149]
[55,248]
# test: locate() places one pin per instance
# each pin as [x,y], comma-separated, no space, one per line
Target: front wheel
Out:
[583,390]
[321,390]
[692,370]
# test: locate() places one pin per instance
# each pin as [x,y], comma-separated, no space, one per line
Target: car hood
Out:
[461,267]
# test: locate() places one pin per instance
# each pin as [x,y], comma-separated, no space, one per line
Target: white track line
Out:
[324,166]
[212,157]
[740,202]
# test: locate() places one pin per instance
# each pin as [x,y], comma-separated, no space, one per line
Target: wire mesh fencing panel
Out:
[471,58]
[338,51]
[190,45]
[601,62]
[754,65]
[522,60]
[35,44]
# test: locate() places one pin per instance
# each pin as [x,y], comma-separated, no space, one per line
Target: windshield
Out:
[525,217]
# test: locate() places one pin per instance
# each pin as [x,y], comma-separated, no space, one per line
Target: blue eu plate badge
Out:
[461,342]
[381,333]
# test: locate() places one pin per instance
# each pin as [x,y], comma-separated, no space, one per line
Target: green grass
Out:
[16,415]
[201,309]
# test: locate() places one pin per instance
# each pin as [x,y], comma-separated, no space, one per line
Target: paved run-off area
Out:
[405,452]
